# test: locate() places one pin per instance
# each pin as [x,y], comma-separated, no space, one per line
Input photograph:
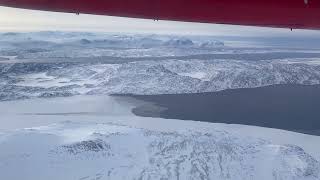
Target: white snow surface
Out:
[109,142]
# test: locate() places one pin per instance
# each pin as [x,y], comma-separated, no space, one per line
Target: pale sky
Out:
[12,19]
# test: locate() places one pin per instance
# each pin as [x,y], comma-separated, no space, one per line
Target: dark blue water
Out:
[288,107]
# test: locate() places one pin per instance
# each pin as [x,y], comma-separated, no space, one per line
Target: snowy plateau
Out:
[58,120]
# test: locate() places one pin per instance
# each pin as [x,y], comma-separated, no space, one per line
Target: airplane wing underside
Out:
[304,14]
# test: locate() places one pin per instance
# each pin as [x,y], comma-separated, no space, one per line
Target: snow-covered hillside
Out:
[24,80]
[107,151]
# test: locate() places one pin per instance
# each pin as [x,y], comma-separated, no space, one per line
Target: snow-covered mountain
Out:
[71,45]
[49,44]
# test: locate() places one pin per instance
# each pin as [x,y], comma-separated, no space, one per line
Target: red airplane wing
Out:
[303,14]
